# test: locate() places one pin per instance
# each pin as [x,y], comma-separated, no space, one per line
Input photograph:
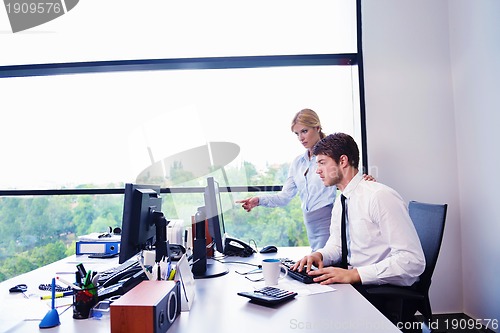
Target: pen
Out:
[88,278]
[78,278]
[172,274]
[91,289]
[81,269]
[69,284]
[95,279]
[58,295]
[168,270]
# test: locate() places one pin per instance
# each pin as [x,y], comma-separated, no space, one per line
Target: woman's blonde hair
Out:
[309,118]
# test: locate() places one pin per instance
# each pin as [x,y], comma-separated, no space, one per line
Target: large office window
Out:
[69,130]
[98,30]
[98,105]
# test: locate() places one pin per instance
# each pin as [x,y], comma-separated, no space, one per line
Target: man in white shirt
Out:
[382,244]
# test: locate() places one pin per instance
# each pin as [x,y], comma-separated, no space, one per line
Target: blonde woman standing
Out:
[317,199]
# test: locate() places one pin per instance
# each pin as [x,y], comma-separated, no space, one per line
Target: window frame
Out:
[343,59]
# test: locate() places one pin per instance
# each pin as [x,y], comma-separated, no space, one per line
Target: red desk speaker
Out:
[150,307]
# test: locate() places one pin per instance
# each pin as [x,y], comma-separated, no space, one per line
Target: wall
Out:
[475,53]
[410,119]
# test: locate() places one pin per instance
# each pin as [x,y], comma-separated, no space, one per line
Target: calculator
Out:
[269,295]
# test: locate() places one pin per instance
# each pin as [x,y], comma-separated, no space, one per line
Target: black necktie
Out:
[343,263]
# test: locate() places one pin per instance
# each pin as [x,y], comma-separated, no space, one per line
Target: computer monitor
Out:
[214,215]
[141,214]
[202,266]
[212,212]
[213,207]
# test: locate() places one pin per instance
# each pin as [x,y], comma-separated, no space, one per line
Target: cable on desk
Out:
[253,271]
[239,262]
[254,280]
[254,243]
[48,287]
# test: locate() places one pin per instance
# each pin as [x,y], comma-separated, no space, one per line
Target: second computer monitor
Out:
[141,206]
[214,215]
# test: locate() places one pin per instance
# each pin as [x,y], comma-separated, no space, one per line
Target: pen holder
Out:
[83,301]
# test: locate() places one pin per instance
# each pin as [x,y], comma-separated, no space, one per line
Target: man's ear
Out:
[344,161]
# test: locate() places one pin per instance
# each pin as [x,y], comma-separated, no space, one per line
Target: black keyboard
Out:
[108,274]
[123,286]
[269,295]
[299,276]
[105,293]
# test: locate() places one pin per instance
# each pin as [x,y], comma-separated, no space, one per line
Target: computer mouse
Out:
[269,249]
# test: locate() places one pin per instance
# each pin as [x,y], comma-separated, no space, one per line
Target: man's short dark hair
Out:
[336,145]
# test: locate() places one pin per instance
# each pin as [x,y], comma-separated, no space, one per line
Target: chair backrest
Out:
[429,220]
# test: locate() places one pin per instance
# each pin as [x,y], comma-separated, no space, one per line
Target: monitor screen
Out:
[213,211]
[138,225]
[203,267]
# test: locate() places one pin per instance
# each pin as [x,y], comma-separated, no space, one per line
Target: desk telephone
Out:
[236,247]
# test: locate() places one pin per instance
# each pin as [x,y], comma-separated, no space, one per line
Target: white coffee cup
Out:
[271,269]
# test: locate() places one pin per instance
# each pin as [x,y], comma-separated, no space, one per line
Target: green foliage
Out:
[84,214]
[277,226]
[29,260]
[39,230]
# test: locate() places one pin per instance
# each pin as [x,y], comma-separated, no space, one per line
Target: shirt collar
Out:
[349,189]
[305,157]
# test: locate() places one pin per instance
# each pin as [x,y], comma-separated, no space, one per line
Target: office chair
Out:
[429,221]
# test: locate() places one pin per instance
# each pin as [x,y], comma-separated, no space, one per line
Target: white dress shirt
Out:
[383,244]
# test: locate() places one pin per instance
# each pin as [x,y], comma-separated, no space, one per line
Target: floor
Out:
[455,323]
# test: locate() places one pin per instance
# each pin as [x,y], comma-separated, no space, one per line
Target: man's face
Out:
[328,170]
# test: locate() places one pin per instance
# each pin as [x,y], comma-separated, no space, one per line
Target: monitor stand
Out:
[214,269]
[203,267]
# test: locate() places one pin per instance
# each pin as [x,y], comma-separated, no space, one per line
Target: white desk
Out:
[216,305]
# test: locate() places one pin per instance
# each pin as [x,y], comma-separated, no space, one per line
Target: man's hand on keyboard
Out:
[325,275]
[328,275]
[308,261]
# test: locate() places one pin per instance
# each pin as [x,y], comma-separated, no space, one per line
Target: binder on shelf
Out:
[92,244]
